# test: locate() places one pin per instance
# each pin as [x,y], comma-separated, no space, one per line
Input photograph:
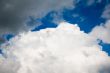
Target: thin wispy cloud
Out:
[106,12]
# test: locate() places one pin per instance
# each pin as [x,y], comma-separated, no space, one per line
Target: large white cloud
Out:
[102,32]
[64,49]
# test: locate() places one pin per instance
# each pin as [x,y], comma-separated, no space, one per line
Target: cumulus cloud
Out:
[14,13]
[102,32]
[64,49]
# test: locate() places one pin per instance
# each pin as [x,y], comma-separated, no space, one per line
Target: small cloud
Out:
[106,12]
[102,32]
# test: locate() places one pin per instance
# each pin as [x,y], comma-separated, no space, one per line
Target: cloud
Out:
[102,32]
[65,49]
[90,2]
[106,12]
[14,13]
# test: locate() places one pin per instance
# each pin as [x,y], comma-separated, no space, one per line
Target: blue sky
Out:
[87,17]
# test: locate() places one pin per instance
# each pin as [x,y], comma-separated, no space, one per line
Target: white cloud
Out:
[64,49]
[102,32]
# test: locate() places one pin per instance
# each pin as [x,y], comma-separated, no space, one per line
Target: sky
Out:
[69,36]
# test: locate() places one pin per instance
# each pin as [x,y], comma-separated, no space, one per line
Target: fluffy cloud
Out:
[102,32]
[64,49]
[14,13]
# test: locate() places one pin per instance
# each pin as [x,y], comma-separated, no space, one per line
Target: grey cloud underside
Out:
[13,13]
[11,16]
